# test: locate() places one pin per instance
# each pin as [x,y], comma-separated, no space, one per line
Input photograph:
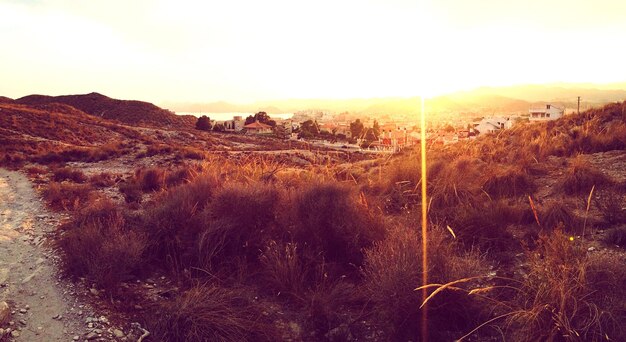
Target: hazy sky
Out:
[242,51]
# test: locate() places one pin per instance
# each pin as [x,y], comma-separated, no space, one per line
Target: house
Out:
[550,112]
[490,125]
[234,125]
[258,128]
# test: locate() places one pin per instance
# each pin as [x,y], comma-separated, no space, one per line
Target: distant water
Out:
[229,116]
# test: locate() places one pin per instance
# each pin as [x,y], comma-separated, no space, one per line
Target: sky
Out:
[244,51]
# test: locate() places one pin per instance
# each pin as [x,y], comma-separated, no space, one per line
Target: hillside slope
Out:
[127,111]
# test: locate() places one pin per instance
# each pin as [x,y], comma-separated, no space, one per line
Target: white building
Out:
[550,112]
[234,125]
[489,125]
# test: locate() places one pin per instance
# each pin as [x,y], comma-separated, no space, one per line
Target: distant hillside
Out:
[558,92]
[131,112]
[4,99]
[485,99]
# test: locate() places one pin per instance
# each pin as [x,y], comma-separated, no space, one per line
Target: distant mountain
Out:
[556,92]
[4,99]
[131,112]
[483,101]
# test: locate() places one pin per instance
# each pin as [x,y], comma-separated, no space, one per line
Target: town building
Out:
[550,112]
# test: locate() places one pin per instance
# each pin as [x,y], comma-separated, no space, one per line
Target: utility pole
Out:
[578,110]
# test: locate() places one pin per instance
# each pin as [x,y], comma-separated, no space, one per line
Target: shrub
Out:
[99,246]
[331,220]
[210,313]
[236,226]
[581,177]
[612,206]
[102,180]
[393,269]
[152,179]
[173,223]
[508,182]
[485,224]
[616,236]
[70,174]
[284,270]
[67,196]
[568,295]
[559,213]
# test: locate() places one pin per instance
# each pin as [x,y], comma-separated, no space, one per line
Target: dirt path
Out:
[44,307]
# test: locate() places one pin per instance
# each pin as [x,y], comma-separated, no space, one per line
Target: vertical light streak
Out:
[424,221]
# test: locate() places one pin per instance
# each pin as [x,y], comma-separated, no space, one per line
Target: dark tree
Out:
[309,129]
[357,128]
[376,129]
[203,123]
[261,117]
[219,128]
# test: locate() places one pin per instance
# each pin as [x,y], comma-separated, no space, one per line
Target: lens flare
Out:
[424,222]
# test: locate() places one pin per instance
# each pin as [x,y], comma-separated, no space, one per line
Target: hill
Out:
[127,111]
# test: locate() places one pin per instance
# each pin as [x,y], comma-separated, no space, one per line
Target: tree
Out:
[261,117]
[356,128]
[219,128]
[203,123]
[309,129]
[376,129]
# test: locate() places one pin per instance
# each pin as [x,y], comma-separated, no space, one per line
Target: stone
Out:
[15,333]
[94,291]
[5,312]
[91,336]
[23,311]
[118,333]
[76,338]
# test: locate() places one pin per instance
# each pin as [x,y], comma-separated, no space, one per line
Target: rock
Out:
[15,333]
[1,332]
[91,336]
[23,311]
[118,333]
[5,312]
[103,319]
[97,331]
[94,291]
[591,249]
[90,325]
[76,338]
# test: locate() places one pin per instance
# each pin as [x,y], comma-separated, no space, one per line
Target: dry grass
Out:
[66,173]
[581,177]
[67,196]
[568,295]
[210,313]
[392,271]
[100,246]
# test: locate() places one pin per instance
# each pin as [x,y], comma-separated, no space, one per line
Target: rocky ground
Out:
[36,304]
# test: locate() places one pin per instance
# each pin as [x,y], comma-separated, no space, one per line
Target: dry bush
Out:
[66,173]
[210,313]
[508,182]
[236,226]
[558,213]
[98,245]
[67,196]
[36,170]
[612,206]
[393,269]
[152,179]
[330,219]
[328,302]
[458,183]
[131,191]
[172,222]
[581,177]
[568,295]
[284,270]
[485,224]
[616,236]
[102,180]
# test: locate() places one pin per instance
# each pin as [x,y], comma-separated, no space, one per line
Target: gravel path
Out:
[42,306]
